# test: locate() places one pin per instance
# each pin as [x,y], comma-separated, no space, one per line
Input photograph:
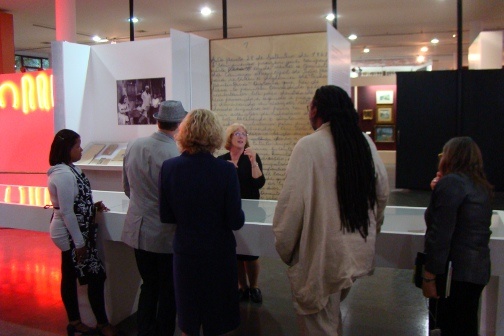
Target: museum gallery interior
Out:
[418,73]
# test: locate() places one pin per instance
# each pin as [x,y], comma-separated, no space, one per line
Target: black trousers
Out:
[457,315]
[156,306]
[69,291]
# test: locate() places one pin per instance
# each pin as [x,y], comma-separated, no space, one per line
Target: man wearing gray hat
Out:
[143,230]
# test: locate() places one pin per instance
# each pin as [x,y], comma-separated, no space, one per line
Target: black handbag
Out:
[443,281]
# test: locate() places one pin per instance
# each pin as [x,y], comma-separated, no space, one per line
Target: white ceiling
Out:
[394,30]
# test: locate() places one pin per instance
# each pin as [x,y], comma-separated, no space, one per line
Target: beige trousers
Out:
[327,321]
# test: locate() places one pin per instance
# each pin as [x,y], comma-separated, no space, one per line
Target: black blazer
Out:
[458,229]
[249,186]
[201,195]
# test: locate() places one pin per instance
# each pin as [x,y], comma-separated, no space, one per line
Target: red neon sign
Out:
[26,127]
[31,93]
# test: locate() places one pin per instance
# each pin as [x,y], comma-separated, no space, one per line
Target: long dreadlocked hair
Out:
[355,180]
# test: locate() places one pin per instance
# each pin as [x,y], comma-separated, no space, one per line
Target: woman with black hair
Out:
[458,231]
[329,211]
[73,231]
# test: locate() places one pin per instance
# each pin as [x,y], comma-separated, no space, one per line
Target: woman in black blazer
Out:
[201,195]
[249,168]
[458,231]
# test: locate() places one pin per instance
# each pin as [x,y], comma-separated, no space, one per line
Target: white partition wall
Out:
[70,68]
[338,59]
[85,85]
[191,70]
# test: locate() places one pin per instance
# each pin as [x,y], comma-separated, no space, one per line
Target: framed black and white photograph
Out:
[138,100]
[385,133]
[384,97]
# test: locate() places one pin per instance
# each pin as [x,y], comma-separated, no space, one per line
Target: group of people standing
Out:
[185,204]
[142,114]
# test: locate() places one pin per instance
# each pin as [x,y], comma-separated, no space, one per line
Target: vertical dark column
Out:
[459,69]
[335,12]
[224,18]
[132,24]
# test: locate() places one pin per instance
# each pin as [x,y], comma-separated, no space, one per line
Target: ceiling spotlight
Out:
[424,49]
[133,19]
[366,50]
[98,39]
[330,17]
[454,35]
[352,37]
[420,58]
[434,41]
[205,11]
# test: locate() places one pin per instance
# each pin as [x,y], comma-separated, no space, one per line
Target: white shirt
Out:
[63,190]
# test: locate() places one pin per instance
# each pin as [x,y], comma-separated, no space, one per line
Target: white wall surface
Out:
[85,85]
[110,63]
[486,51]
[70,68]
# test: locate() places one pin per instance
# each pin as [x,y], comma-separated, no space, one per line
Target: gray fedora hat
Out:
[170,111]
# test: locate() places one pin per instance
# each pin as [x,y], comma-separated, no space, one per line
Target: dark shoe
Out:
[255,295]
[243,294]
[79,329]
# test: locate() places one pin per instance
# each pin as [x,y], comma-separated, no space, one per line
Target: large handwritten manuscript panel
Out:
[266,83]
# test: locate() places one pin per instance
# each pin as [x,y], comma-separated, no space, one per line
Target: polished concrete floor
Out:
[386,303]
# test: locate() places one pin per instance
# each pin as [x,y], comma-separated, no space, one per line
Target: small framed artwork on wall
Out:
[367,114]
[384,97]
[385,133]
[384,115]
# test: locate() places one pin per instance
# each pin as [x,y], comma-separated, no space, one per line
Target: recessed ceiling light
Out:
[424,49]
[366,50]
[330,17]
[420,58]
[98,39]
[352,37]
[205,11]
[454,35]
[133,19]
[434,40]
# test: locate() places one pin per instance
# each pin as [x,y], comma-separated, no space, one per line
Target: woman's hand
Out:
[429,290]
[429,285]
[251,155]
[81,254]
[435,180]
[100,206]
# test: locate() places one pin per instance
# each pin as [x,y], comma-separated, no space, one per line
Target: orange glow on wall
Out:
[27,128]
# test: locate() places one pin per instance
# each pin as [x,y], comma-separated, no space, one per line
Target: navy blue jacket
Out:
[201,195]
[458,229]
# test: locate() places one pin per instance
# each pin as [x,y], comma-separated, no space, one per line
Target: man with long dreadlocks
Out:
[329,211]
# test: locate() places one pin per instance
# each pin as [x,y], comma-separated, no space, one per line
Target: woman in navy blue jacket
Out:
[458,231]
[201,195]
